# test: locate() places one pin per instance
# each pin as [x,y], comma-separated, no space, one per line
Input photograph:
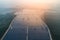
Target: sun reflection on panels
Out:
[31,17]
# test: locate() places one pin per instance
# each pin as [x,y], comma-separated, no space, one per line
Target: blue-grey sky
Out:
[6,3]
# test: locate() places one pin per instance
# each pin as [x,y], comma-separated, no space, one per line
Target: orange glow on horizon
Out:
[32,11]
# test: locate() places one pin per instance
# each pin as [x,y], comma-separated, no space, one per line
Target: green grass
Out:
[53,22]
[5,21]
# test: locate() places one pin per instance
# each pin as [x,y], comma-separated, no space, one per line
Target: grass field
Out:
[5,20]
[53,22]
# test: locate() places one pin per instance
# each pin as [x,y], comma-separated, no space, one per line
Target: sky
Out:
[33,10]
[30,4]
[6,3]
[26,3]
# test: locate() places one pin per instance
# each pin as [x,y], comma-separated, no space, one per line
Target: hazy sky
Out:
[26,3]
[33,9]
[6,3]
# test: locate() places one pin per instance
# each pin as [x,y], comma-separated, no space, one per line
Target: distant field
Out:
[5,21]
